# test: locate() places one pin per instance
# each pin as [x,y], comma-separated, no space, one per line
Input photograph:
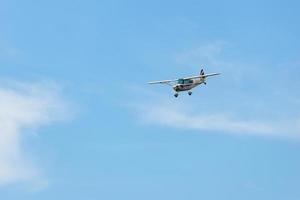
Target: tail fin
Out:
[201,72]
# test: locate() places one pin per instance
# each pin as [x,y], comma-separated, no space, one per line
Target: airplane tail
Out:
[202,76]
[202,72]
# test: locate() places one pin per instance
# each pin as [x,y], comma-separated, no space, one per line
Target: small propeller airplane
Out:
[187,83]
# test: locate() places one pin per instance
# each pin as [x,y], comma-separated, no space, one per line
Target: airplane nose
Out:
[176,88]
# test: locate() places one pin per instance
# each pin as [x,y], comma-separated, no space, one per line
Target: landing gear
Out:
[204,83]
[190,93]
[176,95]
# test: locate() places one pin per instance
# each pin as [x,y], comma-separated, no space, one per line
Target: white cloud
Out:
[203,54]
[244,100]
[183,117]
[219,56]
[22,107]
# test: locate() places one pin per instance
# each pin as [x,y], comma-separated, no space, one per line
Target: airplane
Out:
[187,83]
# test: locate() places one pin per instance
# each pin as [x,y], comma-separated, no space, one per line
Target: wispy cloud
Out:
[24,106]
[206,54]
[184,117]
[242,102]
[218,55]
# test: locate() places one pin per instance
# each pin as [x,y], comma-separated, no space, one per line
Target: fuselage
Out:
[187,84]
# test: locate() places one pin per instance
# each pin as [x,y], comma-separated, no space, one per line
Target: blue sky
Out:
[78,120]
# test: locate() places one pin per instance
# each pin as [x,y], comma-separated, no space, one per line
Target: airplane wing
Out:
[213,74]
[169,82]
[202,76]
[163,82]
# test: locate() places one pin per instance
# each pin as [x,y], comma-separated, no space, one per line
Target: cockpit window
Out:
[185,81]
[180,81]
[189,81]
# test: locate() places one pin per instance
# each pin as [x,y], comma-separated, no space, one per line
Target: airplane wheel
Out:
[176,95]
[190,93]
